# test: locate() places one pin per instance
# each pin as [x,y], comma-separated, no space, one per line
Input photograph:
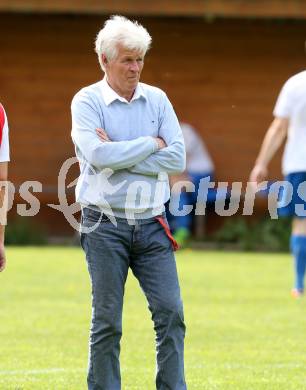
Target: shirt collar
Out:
[109,95]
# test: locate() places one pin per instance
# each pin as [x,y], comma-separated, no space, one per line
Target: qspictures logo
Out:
[100,188]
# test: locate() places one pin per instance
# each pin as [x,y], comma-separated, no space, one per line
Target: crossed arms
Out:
[145,155]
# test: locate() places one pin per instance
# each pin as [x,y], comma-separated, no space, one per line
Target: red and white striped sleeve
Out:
[4,136]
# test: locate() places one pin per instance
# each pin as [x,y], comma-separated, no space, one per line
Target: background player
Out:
[290,123]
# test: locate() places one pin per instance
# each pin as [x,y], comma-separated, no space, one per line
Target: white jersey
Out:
[291,104]
[4,147]
[198,159]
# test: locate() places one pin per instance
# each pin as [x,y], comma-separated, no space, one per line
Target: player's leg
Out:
[183,223]
[298,248]
[294,200]
[180,200]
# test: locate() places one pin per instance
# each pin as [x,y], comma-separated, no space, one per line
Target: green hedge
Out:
[22,231]
[265,234]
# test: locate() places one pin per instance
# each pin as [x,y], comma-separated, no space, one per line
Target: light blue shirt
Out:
[127,177]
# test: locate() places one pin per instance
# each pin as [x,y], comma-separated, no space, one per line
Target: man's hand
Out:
[161,143]
[2,258]
[258,174]
[104,138]
[102,135]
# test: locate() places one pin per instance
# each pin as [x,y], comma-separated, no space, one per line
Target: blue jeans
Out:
[145,248]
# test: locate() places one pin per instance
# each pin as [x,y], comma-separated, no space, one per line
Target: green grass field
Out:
[244,331]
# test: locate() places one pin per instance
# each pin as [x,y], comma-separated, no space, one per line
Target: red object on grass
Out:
[161,220]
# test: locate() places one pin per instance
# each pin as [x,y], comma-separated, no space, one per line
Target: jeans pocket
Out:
[94,215]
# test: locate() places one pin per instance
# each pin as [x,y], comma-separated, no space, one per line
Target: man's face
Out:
[123,72]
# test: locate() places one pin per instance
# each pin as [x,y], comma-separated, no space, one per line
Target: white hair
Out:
[120,30]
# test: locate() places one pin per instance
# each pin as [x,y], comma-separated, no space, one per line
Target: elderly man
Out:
[290,122]
[4,158]
[127,140]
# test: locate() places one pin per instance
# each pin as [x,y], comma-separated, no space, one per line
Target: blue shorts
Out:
[292,197]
